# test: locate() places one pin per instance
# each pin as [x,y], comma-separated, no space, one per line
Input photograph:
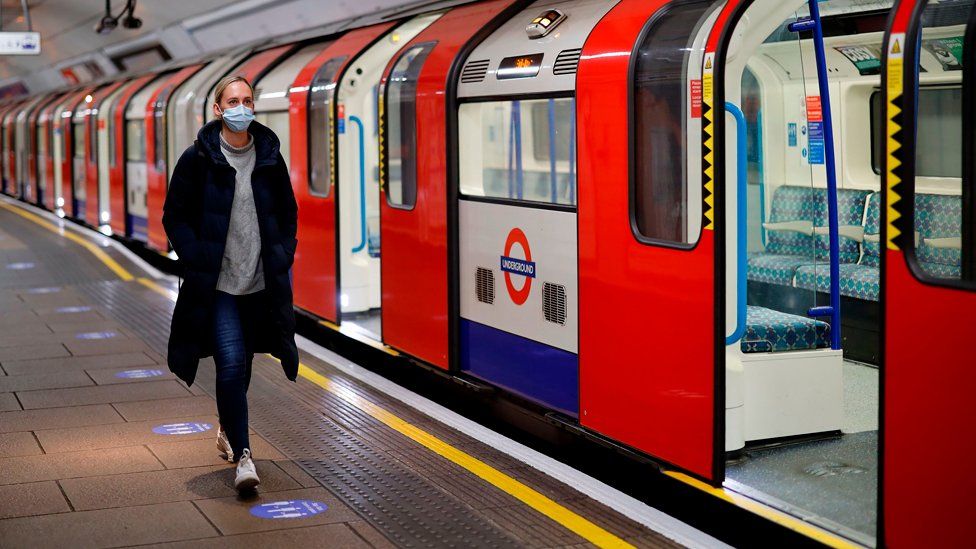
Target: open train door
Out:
[929,274]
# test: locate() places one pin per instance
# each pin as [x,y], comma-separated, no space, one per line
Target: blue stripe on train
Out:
[138,227]
[534,370]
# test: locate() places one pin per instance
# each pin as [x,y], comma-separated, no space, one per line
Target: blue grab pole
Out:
[362,184]
[835,328]
[552,151]
[741,212]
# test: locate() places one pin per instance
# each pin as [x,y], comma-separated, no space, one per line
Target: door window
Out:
[321,141]
[401,120]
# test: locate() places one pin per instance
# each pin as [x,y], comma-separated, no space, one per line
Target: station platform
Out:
[101,446]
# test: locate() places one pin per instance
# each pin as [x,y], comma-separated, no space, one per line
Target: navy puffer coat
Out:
[196,217]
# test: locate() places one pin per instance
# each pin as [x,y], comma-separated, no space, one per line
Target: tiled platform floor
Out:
[80,465]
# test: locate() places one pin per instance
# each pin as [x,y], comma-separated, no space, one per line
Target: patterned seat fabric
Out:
[856,280]
[850,211]
[938,216]
[775,269]
[872,226]
[771,331]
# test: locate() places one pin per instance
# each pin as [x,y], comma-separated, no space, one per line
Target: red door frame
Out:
[92,207]
[33,154]
[156,172]
[414,269]
[926,388]
[315,277]
[117,190]
[670,406]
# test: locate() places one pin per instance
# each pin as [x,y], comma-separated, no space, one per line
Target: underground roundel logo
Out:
[523,267]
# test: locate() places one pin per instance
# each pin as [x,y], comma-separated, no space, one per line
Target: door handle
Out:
[741,188]
[362,184]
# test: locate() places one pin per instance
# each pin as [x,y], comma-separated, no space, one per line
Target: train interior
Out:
[807,440]
[357,96]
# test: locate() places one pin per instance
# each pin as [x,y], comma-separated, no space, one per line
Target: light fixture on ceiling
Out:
[109,21]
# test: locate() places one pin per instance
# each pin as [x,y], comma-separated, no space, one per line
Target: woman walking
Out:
[231,217]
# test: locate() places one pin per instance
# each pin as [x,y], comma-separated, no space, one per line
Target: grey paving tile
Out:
[34,498]
[76,363]
[45,336]
[59,327]
[331,535]
[199,452]
[109,376]
[31,382]
[151,390]
[59,314]
[25,352]
[52,418]
[105,346]
[64,298]
[118,434]
[8,402]
[167,408]
[232,514]
[27,326]
[18,444]
[17,470]
[169,485]
[108,527]
[297,473]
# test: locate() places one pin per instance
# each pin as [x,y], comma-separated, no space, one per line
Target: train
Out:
[721,234]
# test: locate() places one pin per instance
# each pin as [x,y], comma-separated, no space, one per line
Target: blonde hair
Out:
[227,81]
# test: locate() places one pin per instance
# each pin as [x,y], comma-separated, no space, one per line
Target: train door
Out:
[77,149]
[97,212]
[646,241]
[413,176]
[9,149]
[357,96]
[313,130]
[271,95]
[35,159]
[136,160]
[45,152]
[5,138]
[929,283]
[25,147]
[794,87]
[157,132]
[117,153]
[106,158]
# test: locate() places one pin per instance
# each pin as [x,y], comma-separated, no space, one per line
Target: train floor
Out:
[101,446]
[832,481]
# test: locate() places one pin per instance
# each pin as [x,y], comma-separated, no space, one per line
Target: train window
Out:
[278,122]
[321,144]
[660,200]
[92,122]
[159,136]
[497,149]
[401,118]
[135,137]
[112,141]
[942,222]
[78,139]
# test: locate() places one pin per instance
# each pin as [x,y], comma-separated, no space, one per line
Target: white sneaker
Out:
[247,476]
[223,445]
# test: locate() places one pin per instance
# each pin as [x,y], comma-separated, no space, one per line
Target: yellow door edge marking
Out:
[527,495]
[763,510]
[113,265]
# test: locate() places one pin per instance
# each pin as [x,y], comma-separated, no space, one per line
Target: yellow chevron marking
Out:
[895,75]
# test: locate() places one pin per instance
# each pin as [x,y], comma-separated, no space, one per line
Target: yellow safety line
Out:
[767,512]
[119,270]
[531,497]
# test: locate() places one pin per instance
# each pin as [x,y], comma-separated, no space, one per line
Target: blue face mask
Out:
[238,118]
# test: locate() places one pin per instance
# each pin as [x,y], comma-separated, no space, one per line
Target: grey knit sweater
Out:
[241,271]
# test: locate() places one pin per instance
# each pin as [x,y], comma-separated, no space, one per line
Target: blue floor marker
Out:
[22,266]
[44,290]
[73,309]
[138,374]
[181,428]
[96,335]
[295,508]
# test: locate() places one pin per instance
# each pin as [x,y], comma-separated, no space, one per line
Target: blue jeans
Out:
[233,333]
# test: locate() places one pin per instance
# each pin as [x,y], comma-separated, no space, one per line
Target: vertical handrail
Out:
[835,327]
[741,212]
[552,151]
[762,177]
[519,176]
[362,184]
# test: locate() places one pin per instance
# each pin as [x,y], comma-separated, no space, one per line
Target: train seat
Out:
[938,232]
[859,280]
[772,331]
[797,233]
